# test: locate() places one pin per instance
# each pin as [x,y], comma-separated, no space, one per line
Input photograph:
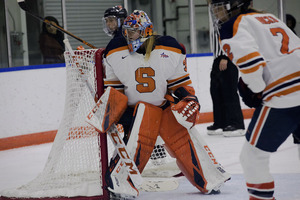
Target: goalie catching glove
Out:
[185,106]
[250,98]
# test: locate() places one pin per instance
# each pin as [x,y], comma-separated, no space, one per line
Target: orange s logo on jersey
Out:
[143,76]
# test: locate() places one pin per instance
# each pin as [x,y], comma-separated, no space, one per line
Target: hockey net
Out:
[78,159]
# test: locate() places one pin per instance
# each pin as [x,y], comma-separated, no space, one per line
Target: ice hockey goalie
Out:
[145,67]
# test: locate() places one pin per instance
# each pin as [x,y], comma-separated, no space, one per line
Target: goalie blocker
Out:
[183,142]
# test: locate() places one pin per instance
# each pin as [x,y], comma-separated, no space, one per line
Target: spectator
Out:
[291,22]
[51,43]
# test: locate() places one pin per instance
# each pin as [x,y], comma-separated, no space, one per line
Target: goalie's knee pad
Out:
[193,156]
[144,132]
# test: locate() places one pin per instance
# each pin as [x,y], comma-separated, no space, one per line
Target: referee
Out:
[228,117]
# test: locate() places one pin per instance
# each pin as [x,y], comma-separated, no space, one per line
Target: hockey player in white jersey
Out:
[149,69]
[267,54]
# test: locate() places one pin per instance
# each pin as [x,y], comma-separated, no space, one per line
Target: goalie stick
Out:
[24,7]
[160,184]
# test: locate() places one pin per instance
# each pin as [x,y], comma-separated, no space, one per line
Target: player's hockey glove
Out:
[185,106]
[80,47]
[251,99]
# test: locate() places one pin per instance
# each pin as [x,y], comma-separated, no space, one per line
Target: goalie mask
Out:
[113,19]
[223,10]
[137,29]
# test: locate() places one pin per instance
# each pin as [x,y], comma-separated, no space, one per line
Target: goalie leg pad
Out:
[193,155]
[108,109]
[141,141]
[144,133]
[179,145]
[213,171]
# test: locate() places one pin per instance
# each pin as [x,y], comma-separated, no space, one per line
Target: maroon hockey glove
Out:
[251,99]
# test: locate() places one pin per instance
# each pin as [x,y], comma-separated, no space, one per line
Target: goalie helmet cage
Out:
[78,159]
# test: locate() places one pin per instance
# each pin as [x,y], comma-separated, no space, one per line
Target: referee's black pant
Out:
[223,89]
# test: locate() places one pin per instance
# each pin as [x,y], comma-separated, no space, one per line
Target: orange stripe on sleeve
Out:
[174,80]
[181,85]
[252,69]
[284,92]
[283,79]
[248,57]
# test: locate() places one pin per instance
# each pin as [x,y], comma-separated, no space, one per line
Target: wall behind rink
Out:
[32,101]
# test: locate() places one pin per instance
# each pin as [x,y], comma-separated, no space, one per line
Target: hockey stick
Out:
[24,7]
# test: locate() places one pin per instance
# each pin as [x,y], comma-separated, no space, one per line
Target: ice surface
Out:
[19,166]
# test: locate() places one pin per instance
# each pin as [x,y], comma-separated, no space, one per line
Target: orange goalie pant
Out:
[179,145]
[144,133]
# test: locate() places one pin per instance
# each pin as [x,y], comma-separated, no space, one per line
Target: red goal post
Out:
[102,137]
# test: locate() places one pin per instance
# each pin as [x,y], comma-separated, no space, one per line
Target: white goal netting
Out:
[74,165]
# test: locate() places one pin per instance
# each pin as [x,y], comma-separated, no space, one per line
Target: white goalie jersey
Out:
[267,54]
[146,80]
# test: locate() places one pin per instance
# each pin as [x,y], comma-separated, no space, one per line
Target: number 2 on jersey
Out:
[285,39]
[275,32]
[143,76]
